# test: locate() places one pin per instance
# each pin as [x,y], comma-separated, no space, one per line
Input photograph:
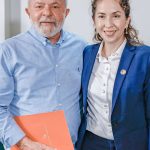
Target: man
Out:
[40,71]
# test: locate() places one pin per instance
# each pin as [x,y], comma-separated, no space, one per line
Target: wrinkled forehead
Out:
[47,1]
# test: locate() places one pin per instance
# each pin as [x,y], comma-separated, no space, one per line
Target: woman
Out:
[116,82]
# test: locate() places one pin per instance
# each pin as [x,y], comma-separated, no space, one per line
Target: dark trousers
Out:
[94,142]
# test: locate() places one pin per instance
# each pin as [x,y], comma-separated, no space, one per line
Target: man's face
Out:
[47,15]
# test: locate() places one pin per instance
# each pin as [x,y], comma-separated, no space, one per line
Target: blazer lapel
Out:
[88,70]
[124,65]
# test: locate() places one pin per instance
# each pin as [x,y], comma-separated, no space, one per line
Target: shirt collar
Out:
[45,40]
[117,53]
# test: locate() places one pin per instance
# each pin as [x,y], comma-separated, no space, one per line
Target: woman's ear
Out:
[128,22]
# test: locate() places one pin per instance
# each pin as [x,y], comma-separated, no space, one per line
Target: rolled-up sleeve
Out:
[10,133]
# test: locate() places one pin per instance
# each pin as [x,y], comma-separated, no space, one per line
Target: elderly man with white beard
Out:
[40,71]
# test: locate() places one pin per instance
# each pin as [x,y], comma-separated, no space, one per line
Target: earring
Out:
[126,31]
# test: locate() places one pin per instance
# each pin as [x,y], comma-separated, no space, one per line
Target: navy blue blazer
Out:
[130,116]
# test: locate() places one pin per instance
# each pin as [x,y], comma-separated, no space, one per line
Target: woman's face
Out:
[110,21]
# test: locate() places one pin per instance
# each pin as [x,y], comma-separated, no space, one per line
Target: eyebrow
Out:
[116,12]
[102,13]
[41,3]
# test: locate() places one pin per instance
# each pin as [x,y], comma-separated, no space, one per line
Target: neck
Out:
[110,48]
[55,38]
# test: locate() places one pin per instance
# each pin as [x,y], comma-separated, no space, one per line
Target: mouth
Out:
[47,23]
[109,32]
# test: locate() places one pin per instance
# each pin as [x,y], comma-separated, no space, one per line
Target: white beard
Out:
[47,31]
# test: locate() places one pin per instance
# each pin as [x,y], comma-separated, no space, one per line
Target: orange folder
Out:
[47,128]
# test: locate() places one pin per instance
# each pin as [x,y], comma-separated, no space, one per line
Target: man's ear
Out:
[27,12]
[67,12]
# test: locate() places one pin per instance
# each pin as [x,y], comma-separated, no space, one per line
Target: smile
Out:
[109,33]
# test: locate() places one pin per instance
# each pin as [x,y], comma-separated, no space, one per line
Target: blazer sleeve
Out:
[147,100]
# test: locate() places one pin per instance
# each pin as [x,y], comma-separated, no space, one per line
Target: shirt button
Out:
[44,43]
[110,131]
[57,44]
[107,68]
[109,125]
[58,84]
[105,106]
[56,65]
[103,91]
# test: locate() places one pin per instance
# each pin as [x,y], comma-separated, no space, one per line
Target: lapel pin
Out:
[123,72]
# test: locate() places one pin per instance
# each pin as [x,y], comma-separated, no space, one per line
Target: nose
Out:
[108,22]
[47,11]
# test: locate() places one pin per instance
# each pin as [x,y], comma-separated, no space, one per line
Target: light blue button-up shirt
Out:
[37,77]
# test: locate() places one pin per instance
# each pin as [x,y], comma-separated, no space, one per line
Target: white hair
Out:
[66,1]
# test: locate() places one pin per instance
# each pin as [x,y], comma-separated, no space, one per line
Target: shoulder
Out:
[71,37]
[15,40]
[90,48]
[142,52]
[143,49]
[16,43]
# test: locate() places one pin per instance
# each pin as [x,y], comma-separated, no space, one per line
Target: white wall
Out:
[2,20]
[15,15]
[79,20]
[140,12]
[25,23]
[10,18]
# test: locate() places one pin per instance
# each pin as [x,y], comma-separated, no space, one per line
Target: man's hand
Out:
[28,144]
